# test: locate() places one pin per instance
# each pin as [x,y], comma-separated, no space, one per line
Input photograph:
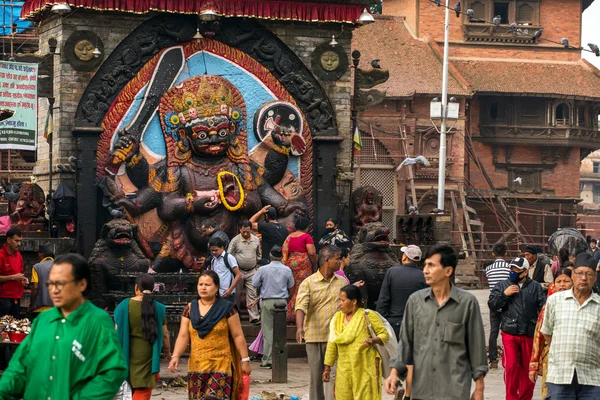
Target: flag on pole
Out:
[357,140]
[49,128]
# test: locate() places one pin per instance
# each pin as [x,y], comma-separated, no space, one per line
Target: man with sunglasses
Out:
[572,329]
[72,351]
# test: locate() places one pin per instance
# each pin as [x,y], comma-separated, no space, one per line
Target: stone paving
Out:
[297,384]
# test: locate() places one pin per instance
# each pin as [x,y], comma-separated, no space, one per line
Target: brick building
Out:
[528,109]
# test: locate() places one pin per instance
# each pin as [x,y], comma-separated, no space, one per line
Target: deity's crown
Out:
[208,100]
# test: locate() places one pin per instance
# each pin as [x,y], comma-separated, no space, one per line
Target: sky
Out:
[590,31]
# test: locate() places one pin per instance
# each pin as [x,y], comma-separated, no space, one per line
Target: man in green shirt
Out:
[72,351]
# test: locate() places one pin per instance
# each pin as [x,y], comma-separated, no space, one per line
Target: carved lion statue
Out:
[116,252]
[370,258]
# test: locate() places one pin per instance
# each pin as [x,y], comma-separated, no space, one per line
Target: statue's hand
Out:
[124,151]
[206,201]
[296,208]
[129,204]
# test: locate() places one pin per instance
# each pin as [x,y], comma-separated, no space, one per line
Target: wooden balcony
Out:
[560,135]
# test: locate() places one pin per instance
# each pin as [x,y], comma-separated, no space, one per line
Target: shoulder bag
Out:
[389,349]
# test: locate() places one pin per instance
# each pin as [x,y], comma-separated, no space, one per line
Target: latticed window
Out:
[383,180]
[374,152]
[527,181]
[525,14]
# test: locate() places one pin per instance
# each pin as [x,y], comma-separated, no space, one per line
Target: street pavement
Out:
[298,373]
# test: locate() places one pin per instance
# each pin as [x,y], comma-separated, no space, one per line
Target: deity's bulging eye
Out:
[201,135]
[223,132]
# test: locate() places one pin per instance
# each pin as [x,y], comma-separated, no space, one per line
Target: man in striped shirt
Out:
[497,271]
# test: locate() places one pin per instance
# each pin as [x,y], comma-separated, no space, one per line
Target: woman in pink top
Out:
[300,254]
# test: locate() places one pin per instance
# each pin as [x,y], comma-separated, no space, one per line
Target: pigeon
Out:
[519,180]
[457,9]
[375,63]
[412,161]
[565,42]
[471,13]
[512,28]
[595,49]
[438,2]
[538,33]
[412,210]
[497,20]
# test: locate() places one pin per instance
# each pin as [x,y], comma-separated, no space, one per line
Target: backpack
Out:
[226,261]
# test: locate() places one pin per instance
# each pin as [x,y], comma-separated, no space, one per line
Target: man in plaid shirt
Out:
[316,303]
[572,328]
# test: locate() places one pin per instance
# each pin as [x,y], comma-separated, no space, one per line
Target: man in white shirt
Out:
[497,271]
[572,329]
[226,266]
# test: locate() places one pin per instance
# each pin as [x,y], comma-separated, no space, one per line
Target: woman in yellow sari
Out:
[538,364]
[218,352]
[358,374]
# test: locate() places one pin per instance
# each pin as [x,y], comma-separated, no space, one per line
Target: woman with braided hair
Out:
[138,321]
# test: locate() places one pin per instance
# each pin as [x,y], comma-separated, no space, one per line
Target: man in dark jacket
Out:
[594,251]
[519,299]
[399,283]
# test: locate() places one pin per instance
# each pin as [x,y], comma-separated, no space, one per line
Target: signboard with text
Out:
[18,92]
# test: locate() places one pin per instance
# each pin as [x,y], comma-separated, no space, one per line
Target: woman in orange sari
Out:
[218,352]
[538,365]
[300,254]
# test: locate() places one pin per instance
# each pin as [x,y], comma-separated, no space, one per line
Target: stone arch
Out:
[246,36]
[562,113]
[167,30]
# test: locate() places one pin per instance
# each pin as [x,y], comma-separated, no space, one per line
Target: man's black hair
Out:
[245,224]
[216,241]
[271,214]
[448,257]
[46,250]
[209,223]
[499,249]
[13,232]
[81,268]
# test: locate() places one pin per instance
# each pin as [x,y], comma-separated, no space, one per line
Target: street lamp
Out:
[60,8]
[366,18]
[442,168]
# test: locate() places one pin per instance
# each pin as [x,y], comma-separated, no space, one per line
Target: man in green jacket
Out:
[72,351]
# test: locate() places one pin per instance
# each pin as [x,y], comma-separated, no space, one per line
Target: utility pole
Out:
[442,170]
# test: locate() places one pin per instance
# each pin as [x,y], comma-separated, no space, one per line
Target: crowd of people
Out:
[546,312]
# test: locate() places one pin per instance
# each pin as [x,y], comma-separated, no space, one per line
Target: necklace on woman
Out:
[348,317]
[207,304]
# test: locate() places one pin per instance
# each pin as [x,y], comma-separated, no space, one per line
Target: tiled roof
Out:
[413,64]
[536,78]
